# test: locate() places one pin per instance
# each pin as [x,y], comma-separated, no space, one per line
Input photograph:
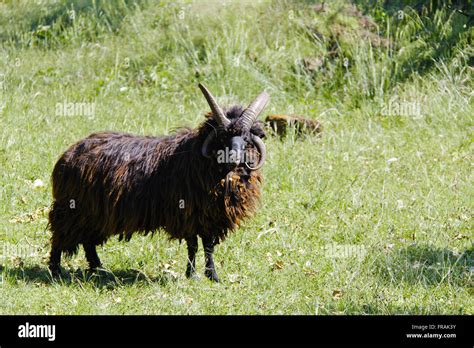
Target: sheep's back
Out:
[118,180]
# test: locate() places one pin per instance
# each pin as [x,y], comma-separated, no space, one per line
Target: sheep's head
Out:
[237,135]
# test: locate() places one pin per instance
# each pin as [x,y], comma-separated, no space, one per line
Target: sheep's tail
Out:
[63,231]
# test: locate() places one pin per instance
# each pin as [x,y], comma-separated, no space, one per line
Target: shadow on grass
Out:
[109,279]
[427,265]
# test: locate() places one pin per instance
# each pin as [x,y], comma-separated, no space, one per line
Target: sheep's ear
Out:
[258,129]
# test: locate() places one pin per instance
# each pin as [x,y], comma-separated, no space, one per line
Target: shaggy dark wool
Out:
[120,184]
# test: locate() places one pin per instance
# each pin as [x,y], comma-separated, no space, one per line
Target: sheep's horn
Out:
[217,112]
[205,144]
[249,116]
[263,152]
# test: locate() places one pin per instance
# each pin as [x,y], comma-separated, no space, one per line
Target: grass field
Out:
[372,217]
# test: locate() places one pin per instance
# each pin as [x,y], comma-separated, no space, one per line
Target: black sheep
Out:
[200,182]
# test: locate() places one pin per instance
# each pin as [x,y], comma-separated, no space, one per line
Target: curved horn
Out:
[205,144]
[263,152]
[217,112]
[249,116]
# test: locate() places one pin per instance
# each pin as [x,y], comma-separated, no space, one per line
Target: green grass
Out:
[393,190]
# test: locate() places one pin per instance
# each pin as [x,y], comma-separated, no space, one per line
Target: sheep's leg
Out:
[192,250]
[92,257]
[55,261]
[210,271]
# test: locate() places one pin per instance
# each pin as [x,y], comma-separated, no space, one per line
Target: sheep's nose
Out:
[237,150]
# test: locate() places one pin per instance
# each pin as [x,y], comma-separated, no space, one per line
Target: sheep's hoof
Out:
[95,270]
[55,271]
[212,275]
[190,272]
